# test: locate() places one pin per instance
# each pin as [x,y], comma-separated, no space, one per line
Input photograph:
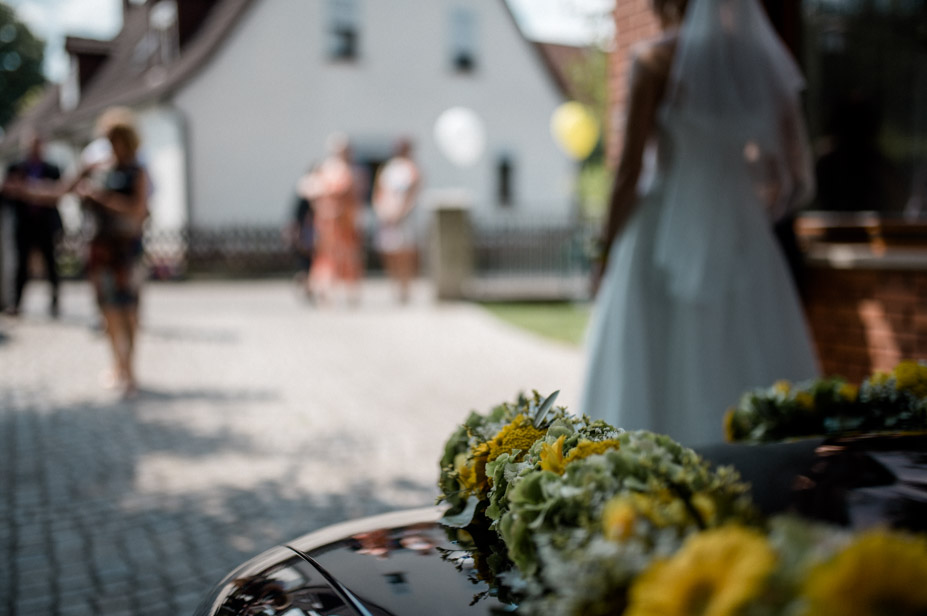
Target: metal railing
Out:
[510,248]
[532,246]
[174,253]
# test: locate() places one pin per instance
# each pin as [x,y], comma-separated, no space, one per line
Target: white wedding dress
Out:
[697,304]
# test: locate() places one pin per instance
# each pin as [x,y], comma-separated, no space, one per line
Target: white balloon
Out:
[460,136]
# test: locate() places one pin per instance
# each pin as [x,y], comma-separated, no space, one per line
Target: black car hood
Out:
[407,563]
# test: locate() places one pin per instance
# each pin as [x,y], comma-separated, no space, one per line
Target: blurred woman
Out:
[696,302]
[119,205]
[395,192]
[335,196]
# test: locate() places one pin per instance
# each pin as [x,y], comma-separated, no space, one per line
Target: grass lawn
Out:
[562,321]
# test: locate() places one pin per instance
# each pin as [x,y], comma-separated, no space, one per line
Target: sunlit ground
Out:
[260,417]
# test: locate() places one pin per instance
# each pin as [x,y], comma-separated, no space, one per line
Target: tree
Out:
[21,55]
[588,78]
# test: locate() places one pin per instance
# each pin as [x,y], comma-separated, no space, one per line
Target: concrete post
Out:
[451,250]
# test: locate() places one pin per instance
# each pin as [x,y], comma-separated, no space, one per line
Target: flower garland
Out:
[893,401]
[565,515]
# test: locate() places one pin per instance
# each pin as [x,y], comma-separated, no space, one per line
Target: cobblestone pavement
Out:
[260,418]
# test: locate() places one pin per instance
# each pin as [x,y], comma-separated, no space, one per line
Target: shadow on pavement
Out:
[93,520]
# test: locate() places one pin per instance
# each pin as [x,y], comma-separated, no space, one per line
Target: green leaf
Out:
[462,519]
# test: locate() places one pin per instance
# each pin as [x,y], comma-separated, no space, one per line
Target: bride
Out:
[696,304]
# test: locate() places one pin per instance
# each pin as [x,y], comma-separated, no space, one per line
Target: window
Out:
[343,40]
[463,39]
[866,67]
[505,181]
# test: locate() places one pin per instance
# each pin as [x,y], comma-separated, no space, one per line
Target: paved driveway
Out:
[260,418]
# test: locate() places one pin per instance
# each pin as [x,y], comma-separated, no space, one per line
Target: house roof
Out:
[126,77]
[560,59]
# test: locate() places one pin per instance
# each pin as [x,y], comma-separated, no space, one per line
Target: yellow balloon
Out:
[575,129]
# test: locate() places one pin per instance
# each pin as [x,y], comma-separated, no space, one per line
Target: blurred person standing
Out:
[300,233]
[335,197]
[38,222]
[395,192]
[119,206]
[696,303]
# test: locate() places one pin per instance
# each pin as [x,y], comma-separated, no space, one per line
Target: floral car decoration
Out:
[893,401]
[565,515]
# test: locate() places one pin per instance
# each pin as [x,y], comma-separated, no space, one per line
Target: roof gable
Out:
[130,69]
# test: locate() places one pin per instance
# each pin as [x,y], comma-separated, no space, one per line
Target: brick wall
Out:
[634,22]
[864,320]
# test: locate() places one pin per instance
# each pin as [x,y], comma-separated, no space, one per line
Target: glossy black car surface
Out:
[405,563]
[397,563]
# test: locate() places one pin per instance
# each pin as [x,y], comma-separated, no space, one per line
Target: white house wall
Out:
[260,112]
[163,153]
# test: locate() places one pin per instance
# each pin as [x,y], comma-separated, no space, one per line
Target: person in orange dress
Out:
[334,194]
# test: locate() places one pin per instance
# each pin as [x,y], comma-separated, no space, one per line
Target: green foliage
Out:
[546,506]
[588,79]
[21,55]
[595,182]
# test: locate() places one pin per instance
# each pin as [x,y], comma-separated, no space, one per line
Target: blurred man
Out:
[38,222]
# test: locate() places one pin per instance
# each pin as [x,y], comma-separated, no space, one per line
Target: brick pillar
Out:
[634,22]
[867,320]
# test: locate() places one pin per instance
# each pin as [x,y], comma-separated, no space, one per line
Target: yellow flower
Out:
[729,435]
[519,434]
[783,388]
[706,507]
[618,519]
[552,456]
[715,573]
[911,376]
[460,462]
[584,449]
[879,379]
[805,400]
[659,507]
[473,476]
[848,392]
[880,573]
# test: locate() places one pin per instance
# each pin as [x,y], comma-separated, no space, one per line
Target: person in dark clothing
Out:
[300,233]
[38,222]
